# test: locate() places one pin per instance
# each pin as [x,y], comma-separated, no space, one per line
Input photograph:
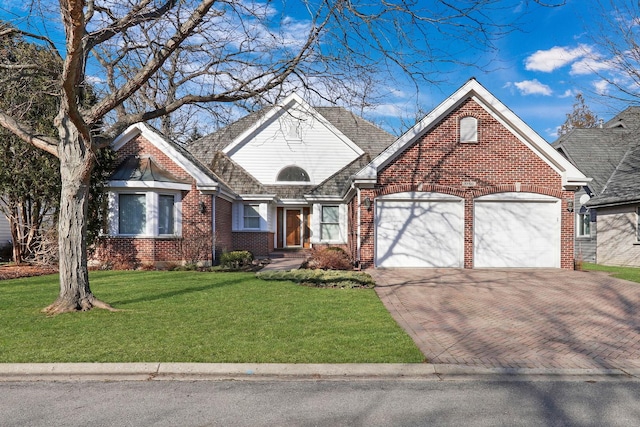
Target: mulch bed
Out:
[12,271]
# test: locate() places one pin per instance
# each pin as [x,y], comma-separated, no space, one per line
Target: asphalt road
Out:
[605,402]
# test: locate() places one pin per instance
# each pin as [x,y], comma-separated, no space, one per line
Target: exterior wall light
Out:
[202,207]
[367,203]
[570,205]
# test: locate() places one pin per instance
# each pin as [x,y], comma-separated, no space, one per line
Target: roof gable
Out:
[571,176]
[206,181]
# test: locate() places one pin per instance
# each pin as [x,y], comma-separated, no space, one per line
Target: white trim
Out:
[287,104]
[571,176]
[151,212]
[149,185]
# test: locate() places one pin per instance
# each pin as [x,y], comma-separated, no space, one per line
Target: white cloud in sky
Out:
[601,87]
[532,87]
[588,65]
[568,94]
[556,57]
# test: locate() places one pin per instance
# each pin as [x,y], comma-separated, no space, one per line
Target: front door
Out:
[292,229]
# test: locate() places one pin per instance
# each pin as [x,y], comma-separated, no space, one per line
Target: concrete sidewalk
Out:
[10,372]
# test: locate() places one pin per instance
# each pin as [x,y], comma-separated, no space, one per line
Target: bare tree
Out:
[229,51]
[615,53]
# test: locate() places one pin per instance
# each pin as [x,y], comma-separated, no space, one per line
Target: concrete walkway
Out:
[283,264]
[511,319]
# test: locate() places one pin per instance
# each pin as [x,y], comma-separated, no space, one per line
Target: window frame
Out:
[256,209]
[324,223]
[306,181]
[637,224]
[581,223]
[475,137]
[152,212]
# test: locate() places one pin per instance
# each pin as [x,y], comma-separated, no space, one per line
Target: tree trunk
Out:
[75,167]
[15,238]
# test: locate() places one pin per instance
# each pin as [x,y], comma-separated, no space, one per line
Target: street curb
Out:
[12,372]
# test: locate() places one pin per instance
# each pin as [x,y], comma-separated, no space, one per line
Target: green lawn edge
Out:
[199,317]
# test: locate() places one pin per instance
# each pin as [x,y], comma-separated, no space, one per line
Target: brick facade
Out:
[259,243]
[195,244]
[437,162]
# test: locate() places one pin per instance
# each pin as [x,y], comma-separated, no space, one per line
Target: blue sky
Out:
[536,71]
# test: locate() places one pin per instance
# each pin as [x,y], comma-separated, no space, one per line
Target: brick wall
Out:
[195,245]
[224,218]
[259,243]
[437,162]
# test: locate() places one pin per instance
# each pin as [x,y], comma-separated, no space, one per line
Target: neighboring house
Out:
[470,185]
[5,232]
[290,166]
[607,208]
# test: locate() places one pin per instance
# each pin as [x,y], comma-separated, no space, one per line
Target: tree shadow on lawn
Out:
[177,292]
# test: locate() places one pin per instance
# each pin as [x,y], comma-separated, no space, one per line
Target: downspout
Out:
[213,226]
[358,244]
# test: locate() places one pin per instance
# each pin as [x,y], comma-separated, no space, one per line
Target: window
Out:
[146,214]
[468,129]
[293,174]
[132,214]
[251,216]
[583,223]
[330,223]
[166,217]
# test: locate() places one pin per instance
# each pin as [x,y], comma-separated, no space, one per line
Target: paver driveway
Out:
[542,318]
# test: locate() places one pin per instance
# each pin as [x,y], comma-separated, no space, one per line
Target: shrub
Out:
[322,278]
[236,259]
[330,258]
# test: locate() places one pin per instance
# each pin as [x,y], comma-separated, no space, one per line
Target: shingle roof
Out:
[610,155]
[371,139]
[596,152]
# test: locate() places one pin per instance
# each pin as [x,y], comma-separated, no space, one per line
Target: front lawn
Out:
[627,273]
[200,317]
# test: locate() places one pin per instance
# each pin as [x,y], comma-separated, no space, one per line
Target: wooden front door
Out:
[293,222]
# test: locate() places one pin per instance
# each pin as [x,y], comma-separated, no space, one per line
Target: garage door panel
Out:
[516,234]
[419,233]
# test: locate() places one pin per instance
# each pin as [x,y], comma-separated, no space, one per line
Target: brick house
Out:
[470,185]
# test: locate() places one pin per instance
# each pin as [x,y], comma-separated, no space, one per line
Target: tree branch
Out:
[28,134]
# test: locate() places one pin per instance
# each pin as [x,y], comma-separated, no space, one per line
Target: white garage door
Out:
[516,230]
[419,230]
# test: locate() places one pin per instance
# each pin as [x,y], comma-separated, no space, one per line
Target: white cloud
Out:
[589,66]
[601,87]
[568,94]
[533,87]
[556,57]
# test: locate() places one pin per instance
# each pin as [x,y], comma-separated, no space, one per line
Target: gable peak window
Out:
[293,174]
[468,129]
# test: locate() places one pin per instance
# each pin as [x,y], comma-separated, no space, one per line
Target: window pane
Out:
[330,223]
[132,214]
[584,224]
[330,214]
[251,216]
[330,232]
[293,173]
[165,214]
[468,129]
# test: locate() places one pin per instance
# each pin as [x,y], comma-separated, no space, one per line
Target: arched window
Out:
[294,174]
[468,129]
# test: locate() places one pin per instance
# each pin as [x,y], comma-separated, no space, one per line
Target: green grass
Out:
[627,273]
[200,317]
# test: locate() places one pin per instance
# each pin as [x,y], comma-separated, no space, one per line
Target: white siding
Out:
[617,244]
[5,235]
[318,149]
